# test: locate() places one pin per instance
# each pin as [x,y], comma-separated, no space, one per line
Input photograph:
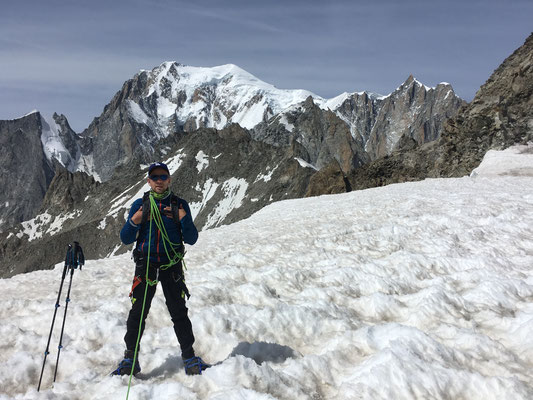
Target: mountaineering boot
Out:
[194,365]
[124,368]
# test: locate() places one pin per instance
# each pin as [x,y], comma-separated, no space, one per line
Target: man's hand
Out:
[181,212]
[167,211]
[138,216]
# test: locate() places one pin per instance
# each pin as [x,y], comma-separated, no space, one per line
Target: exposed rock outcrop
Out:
[25,173]
[412,111]
[67,189]
[329,180]
[500,115]
[321,133]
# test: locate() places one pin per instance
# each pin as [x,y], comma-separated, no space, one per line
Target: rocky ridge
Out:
[413,111]
[499,116]
[376,125]
[26,173]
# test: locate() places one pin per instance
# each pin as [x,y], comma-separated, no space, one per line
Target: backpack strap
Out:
[146,208]
[174,209]
[145,216]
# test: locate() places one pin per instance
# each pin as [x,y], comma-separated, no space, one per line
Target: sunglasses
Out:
[155,178]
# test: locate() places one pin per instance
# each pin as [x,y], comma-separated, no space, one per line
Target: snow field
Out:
[413,291]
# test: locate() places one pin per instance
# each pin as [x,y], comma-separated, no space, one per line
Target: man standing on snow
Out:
[160,222]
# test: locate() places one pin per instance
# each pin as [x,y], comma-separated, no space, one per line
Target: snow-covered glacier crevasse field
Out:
[412,291]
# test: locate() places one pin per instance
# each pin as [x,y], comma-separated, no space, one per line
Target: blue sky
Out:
[71,57]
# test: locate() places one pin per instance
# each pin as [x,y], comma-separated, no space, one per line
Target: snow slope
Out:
[411,291]
[515,161]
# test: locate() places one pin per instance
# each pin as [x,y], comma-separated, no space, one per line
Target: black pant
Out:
[174,290]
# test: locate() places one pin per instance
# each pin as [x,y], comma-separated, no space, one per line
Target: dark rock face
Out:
[34,149]
[66,190]
[25,172]
[500,115]
[329,180]
[115,137]
[412,111]
[323,136]
[361,112]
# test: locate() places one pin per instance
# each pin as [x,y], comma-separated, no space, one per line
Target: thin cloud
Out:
[237,16]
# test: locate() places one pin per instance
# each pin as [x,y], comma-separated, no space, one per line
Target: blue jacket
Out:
[131,232]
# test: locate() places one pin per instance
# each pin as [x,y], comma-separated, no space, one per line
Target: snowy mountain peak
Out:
[30,113]
[213,96]
[173,97]
[228,74]
[178,96]
[411,80]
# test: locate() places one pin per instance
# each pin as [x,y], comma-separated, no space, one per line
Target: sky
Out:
[71,57]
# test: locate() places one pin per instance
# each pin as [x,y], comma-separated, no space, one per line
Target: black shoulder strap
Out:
[146,208]
[145,215]
[174,207]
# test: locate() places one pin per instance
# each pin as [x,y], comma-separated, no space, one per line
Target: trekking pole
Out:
[72,260]
[46,352]
[76,259]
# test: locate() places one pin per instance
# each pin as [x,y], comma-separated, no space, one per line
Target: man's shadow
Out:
[263,351]
[260,352]
[171,365]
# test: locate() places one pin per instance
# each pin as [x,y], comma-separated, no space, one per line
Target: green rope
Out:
[167,243]
[142,312]
[158,220]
